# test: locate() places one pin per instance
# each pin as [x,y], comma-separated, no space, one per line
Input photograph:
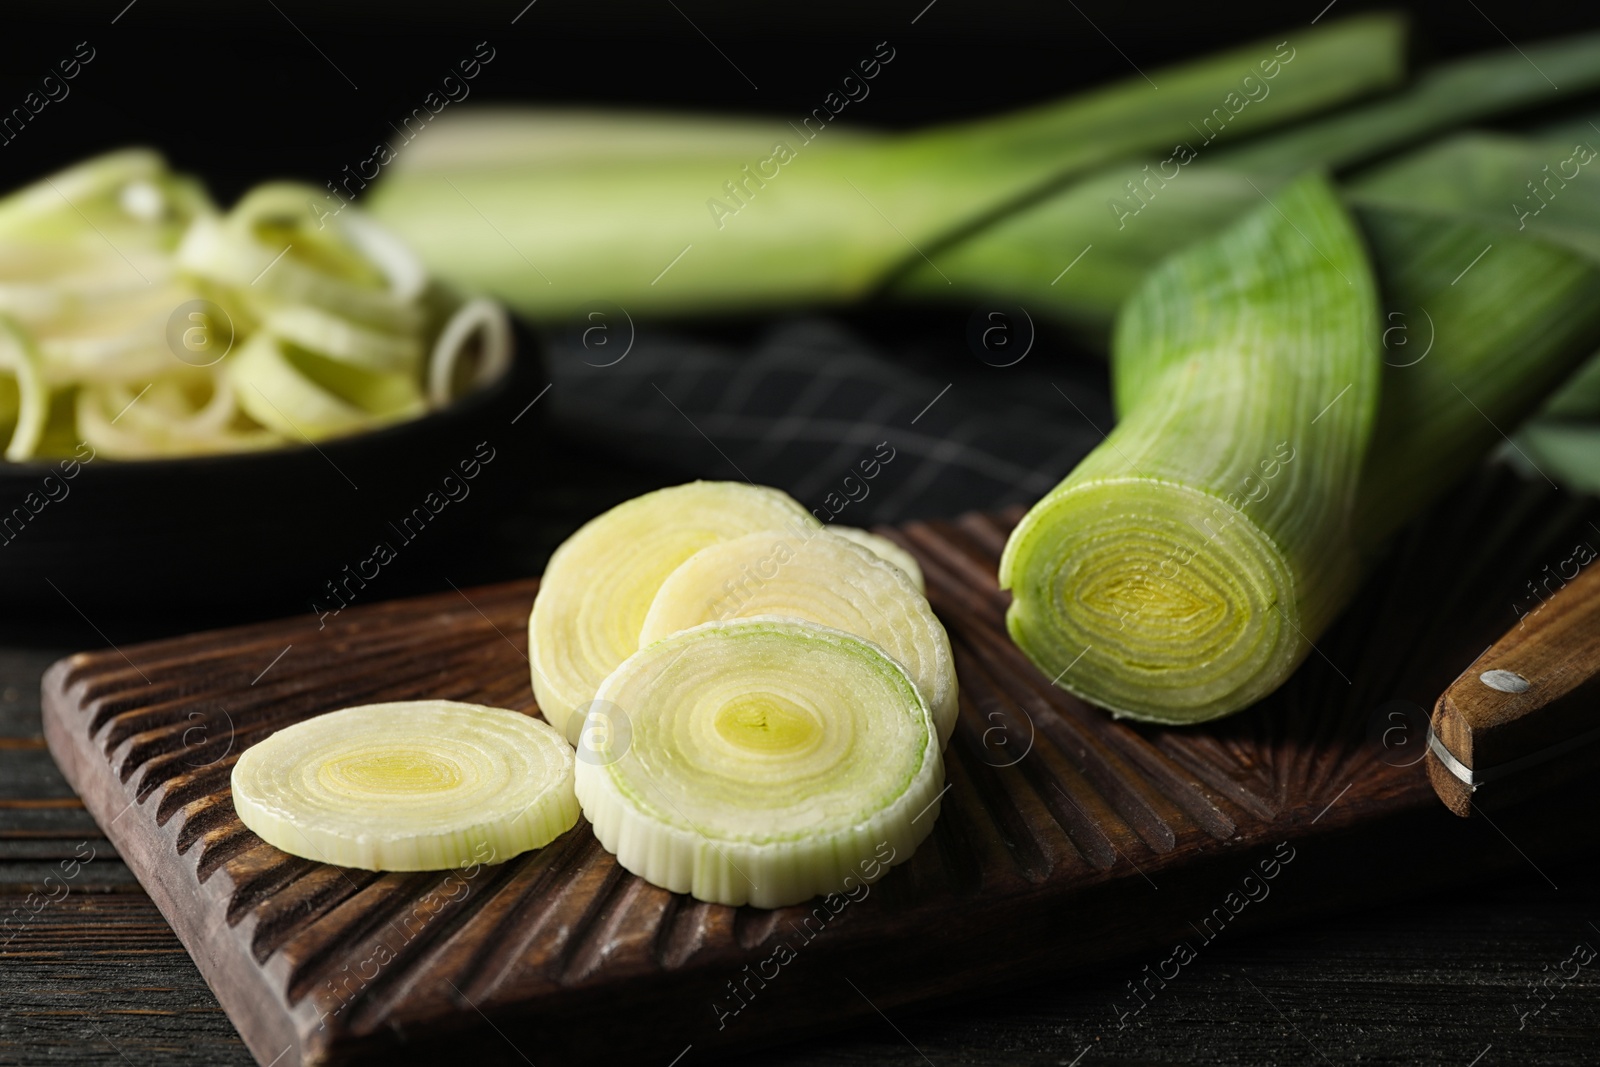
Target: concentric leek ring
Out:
[272,385]
[1151,599]
[767,761]
[410,786]
[601,581]
[822,578]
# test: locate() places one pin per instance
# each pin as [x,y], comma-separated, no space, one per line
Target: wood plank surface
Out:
[1040,864]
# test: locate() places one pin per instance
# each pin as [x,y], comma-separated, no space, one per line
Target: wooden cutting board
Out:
[1067,839]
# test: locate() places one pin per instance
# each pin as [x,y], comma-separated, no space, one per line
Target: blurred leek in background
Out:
[722,218]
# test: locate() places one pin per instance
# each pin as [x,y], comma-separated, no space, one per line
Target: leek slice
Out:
[276,387]
[329,335]
[549,238]
[129,197]
[165,421]
[825,579]
[887,550]
[409,786]
[235,254]
[764,762]
[18,355]
[1172,575]
[600,582]
[474,347]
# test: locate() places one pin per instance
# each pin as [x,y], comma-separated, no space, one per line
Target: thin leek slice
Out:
[409,786]
[125,194]
[234,254]
[600,583]
[121,423]
[399,265]
[885,549]
[337,338]
[274,389]
[18,355]
[275,216]
[109,334]
[824,579]
[474,348]
[762,762]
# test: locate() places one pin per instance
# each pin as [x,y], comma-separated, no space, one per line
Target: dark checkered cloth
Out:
[809,404]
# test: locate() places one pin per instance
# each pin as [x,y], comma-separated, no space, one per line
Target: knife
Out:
[1525,715]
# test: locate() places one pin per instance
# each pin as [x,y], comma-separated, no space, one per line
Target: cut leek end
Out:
[765,761]
[1151,599]
[409,786]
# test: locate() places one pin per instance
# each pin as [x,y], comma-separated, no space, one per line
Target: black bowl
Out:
[307,527]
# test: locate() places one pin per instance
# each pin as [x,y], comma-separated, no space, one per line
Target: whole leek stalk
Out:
[1189,563]
[546,169]
[1171,575]
[825,221]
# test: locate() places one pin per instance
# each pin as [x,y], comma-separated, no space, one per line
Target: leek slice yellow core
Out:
[821,578]
[764,761]
[1125,595]
[600,583]
[410,786]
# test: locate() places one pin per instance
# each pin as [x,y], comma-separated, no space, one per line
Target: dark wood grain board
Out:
[1058,826]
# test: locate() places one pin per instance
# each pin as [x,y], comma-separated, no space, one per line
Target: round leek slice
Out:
[164,420]
[18,355]
[885,549]
[234,252]
[599,584]
[411,786]
[329,335]
[825,579]
[474,348]
[762,762]
[274,388]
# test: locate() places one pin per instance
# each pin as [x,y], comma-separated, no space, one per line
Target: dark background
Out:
[286,88]
[237,93]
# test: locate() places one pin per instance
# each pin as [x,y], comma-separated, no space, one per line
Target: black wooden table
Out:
[90,973]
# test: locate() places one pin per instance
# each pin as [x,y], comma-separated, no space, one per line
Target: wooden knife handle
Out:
[1524,715]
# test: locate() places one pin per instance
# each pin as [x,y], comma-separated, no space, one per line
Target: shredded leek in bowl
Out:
[139,318]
